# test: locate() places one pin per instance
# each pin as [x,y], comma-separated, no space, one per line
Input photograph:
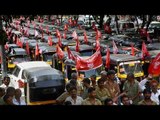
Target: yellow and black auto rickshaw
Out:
[123,64]
[17,55]
[47,53]
[70,67]
[43,85]
[84,49]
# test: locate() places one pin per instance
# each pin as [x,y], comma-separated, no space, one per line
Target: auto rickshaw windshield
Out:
[132,67]
[91,72]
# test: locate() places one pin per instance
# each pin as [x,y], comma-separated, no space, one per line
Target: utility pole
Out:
[3,59]
[3,38]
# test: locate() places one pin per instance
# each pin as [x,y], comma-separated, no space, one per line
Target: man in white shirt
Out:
[74,98]
[142,84]
[5,82]
[17,100]
[155,92]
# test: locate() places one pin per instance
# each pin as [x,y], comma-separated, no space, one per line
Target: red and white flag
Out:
[58,33]
[37,50]
[70,54]
[77,45]
[92,62]
[108,59]
[85,37]
[132,50]
[35,33]
[115,49]
[64,35]
[59,41]
[50,40]
[59,52]
[98,34]
[74,35]
[66,27]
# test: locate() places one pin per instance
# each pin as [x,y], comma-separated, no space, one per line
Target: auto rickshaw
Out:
[47,53]
[70,67]
[123,64]
[42,85]
[84,50]
[32,46]
[17,55]
[58,63]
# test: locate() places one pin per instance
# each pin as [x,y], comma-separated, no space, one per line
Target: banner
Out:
[92,62]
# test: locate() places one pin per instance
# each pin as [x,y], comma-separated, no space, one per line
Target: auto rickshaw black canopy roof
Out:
[32,73]
[154,53]
[116,58]
[47,49]
[18,51]
[83,47]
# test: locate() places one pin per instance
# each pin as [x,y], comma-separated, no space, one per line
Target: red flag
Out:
[154,67]
[85,37]
[97,44]
[93,26]
[70,54]
[37,50]
[98,34]
[58,22]
[58,33]
[92,62]
[145,52]
[148,37]
[75,22]
[70,21]
[19,43]
[59,52]
[107,28]
[77,45]
[79,27]
[74,35]
[28,23]
[115,49]
[132,50]
[59,41]
[27,32]
[64,35]
[66,27]
[6,46]
[108,58]
[143,32]
[35,33]
[50,41]
[53,22]
[27,47]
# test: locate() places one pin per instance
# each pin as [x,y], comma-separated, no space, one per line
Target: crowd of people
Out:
[9,95]
[108,90]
